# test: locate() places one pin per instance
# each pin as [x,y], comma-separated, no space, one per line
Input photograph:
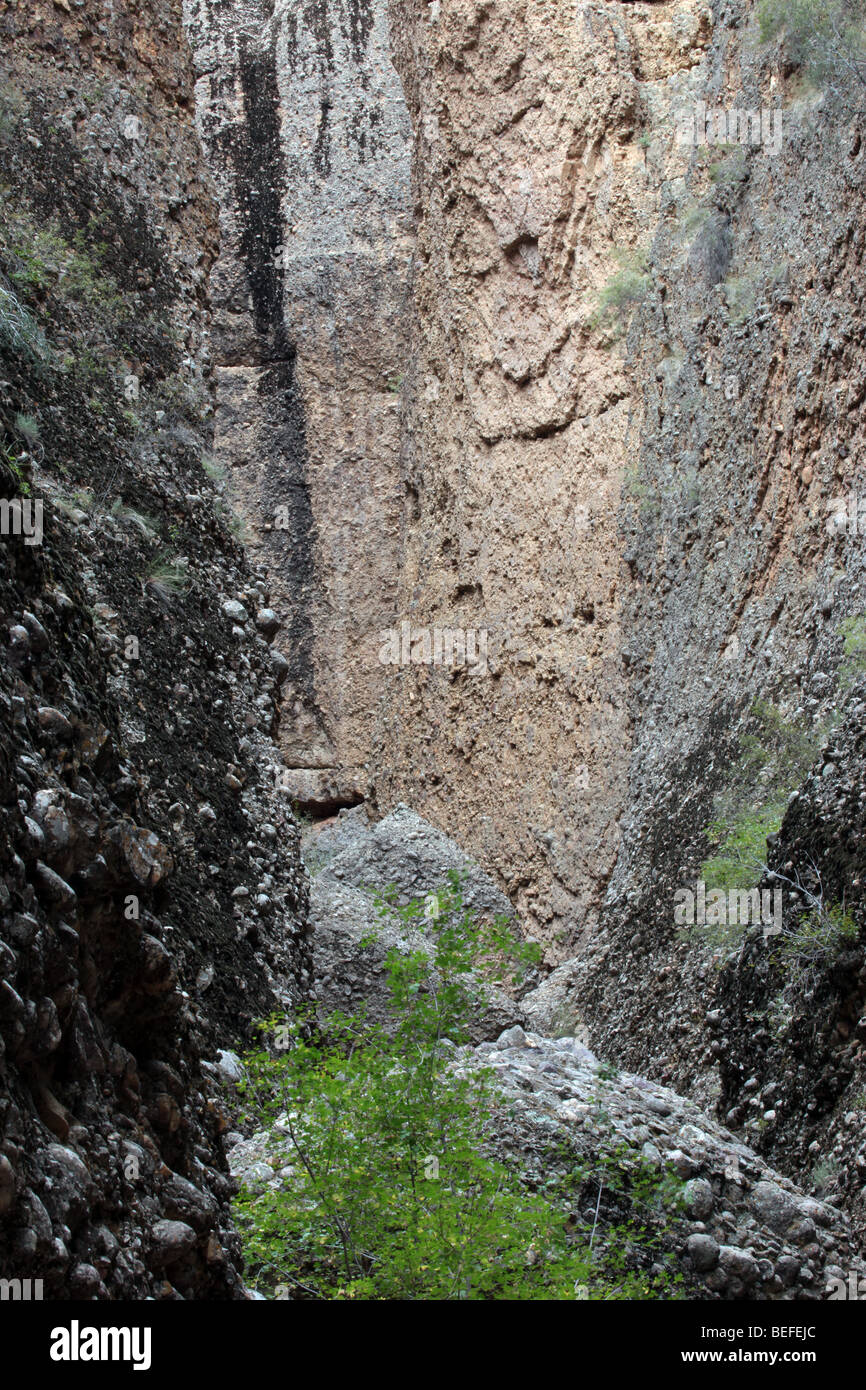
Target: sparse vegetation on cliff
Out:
[775,754]
[853,663]
[827,38]
[626,289]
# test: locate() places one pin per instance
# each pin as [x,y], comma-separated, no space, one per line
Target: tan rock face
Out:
[433,472]
[392,475]
[530,178]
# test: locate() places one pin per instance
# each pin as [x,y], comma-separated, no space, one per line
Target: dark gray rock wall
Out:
[152,903]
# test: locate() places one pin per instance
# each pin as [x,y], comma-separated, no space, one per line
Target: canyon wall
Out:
[454,456]
[489,352]
[533,183]
[513,351]
[303,119]
[152,905]
[742,584]
[634,442]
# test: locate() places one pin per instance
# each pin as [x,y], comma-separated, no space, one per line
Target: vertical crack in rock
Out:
[308,136]
[259,187]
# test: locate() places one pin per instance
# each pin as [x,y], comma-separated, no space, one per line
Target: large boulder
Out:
[403,851]
[550,1007]
[352,861]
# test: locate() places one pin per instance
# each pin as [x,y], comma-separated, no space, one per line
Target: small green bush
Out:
[16,462]
[731,169]
[27,428]
[776,752]
[42,259]
[824,1174]
[826,38]
[624,291]
[742,847]
[853,664]
[394,1191]
[213,470]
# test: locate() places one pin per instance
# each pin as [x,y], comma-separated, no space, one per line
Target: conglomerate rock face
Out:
[152,901]
[529,175]
[788,1030]
[540,402]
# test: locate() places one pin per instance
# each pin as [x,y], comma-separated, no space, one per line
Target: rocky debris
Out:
[268,623]
[349,976]
[351,859]
[323,840]
[740,1230]
[550,1007]
[746,1231]
[405,852]
[229,1065]
[235,611]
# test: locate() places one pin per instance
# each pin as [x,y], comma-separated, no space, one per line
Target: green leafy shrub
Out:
[826,38]
[853,664]
[628,287]
[391,1187]
[776,752]
[742,847]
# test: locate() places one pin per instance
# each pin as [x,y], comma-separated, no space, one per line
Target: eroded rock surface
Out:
[306,130]
[152,902]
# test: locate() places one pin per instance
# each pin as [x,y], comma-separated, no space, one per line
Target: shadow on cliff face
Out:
[791,1020]
[134,930]
[256,156]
